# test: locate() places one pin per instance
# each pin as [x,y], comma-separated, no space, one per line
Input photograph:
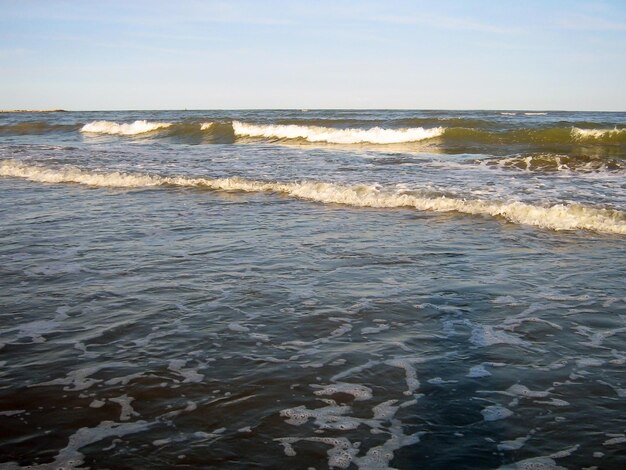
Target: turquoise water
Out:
[295,289]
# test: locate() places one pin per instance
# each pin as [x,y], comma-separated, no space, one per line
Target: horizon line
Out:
[305,109]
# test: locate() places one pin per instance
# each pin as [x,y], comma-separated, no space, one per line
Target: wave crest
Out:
[598,134]
[374,135]
[556,217]
[114,128]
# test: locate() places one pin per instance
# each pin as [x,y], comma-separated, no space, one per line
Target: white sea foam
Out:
[591,134]
[556,217]
[343,452]
[614,441]
[375,135]
[359,392]
[534,463]
[478,371]
[79,379]
[189,375]
[126,408]
[487,335]
[508,114]
[495,413]
[410,372]
[206,125]
[69,457]
[535,114]
[113,128]
[327,417]
[514,444]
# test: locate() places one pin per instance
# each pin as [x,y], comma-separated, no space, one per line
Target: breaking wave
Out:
[374,135]
[598,134]
[113,128]
[556,217]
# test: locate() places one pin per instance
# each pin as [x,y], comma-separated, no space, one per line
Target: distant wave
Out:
[508,114]
[549,162]
[536,136]
[556,217]
[467,133]
[374,135]
[535,114]
[113,128]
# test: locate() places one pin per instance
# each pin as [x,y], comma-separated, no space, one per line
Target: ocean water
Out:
[312,289]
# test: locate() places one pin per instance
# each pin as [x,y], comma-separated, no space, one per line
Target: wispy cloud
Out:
[448,22]
[582,22]
[13,52]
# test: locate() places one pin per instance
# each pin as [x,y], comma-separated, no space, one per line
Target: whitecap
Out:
[114,128]
[374,135]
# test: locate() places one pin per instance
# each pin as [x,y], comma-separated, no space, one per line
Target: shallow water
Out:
[343,305]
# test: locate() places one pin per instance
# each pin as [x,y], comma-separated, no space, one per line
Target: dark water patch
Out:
[36,127]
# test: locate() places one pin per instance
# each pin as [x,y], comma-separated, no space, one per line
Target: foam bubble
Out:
[300,415]
[486,335]
[189,375]
[359,392]
[11,412]
[495,413]
[385,411]
[589,362]
[238,327]
[70,457]
[440,381]
[514,444]
[523,391]
[79,378]
[374,329]
[340,455]
[614,441]
[410,372]
[478,371]
[534,463]
[565,452]
[126,409]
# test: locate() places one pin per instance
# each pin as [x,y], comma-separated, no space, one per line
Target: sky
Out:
[245,54]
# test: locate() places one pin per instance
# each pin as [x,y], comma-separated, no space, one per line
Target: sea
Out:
[313,289]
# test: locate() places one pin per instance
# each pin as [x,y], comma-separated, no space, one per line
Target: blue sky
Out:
[500,54]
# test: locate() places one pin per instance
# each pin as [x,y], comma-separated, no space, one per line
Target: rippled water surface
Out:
[291,289]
